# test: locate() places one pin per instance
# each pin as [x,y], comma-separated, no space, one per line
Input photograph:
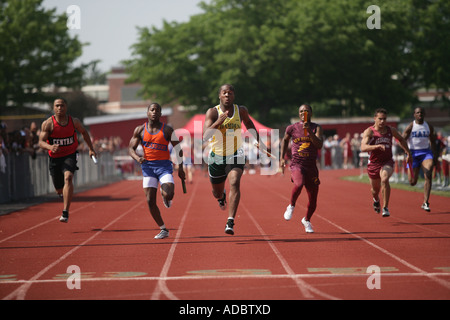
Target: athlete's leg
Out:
[385,174]
[427,165]
[234,179]
[150,185]
[150,194]
[375,188]
[313,192]
[68,189]
[297,179]
[167,186]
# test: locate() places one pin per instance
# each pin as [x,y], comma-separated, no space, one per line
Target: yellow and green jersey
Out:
[230,139]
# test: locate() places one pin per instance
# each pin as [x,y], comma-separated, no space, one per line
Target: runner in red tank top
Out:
[59,137]
[306,139]
[377,141]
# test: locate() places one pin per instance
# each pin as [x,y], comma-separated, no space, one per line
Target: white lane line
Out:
[304,288]
[161,286]
[238,276]
[53,219]
[20,292]
[442,282]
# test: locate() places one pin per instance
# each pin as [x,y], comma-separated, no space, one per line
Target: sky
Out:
[110,25]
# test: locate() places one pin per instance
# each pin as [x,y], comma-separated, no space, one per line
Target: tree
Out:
[36,51]
[280,54]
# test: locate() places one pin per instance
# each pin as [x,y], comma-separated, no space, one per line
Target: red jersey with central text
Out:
[65,136]
[377,155]
[155,145]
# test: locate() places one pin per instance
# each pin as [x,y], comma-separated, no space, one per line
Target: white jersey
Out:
[420,136]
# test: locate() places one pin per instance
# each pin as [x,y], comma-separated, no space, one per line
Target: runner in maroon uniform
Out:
[377,141]
[306,138]
[59,137]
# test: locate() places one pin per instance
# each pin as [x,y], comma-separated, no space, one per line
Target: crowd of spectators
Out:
[336,153]
[26,140]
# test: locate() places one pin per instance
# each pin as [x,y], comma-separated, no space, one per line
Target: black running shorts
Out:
[219,167]
[58,166]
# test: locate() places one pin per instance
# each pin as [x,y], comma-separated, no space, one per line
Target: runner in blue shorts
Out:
[422,141]
[155,136]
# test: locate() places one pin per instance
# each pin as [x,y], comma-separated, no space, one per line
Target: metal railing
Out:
[24,178]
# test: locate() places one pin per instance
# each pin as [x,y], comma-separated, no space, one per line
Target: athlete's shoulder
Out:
[139,129]
[212,112]
[293,127]
[47,125]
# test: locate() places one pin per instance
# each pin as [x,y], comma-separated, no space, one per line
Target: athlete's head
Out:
[154,111]
[59,106]
[419,114]
[380,117]
[226,95]
[302,110]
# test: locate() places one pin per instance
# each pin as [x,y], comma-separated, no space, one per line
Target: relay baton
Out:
[305,121]
[94,159]
[256,144]
[184,185]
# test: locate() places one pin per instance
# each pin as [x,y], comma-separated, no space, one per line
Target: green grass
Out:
[400,185]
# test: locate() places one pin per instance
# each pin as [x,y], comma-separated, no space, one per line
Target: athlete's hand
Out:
[181,173]
[408,158]
[141,160]
[382,147]
[54,148]
[222,118]
[282,165]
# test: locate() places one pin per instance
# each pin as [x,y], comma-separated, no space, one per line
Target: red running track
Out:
[110,233]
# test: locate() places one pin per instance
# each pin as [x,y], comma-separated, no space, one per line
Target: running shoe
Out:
[164,233]
[386,212]
[229,227]
[307,225]
[223,201]
[288,213]
[65,216]
[426,206]
[376,206]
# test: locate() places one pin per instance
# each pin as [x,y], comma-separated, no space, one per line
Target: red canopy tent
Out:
[197,121]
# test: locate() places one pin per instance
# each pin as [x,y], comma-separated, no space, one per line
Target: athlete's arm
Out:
[169,133]
[245,117]
[402,142]
[432,138]
[212,122]
[407,131]
[87,138]
[46,130]
[365,146]
[317,139]
[284,146]
[134,143]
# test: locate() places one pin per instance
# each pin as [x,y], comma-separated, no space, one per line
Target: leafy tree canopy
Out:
[36,51]
[280,54]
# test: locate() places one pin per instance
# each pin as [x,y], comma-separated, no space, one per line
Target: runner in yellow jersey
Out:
[226,158]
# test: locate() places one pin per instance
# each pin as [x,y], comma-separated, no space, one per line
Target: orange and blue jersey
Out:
[155,145]
[156,152]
